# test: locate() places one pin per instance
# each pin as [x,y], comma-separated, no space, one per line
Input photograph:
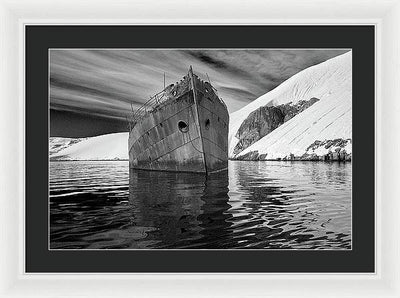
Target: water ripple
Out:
[272,205]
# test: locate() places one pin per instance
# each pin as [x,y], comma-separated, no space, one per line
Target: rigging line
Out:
[190,138]
[165,119]
[208,79]
[162,155]
[192,81]
[186,141]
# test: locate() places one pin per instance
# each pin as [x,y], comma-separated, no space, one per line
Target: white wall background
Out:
[386,13]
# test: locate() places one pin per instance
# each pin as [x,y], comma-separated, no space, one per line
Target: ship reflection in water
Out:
[272,205]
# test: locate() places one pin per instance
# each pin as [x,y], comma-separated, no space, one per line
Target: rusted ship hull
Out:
[187,132]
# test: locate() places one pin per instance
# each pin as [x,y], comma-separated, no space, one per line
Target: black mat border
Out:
[38,39]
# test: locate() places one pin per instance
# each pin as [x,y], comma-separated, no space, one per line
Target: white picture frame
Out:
[384,15]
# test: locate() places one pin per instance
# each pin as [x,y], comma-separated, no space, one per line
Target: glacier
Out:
[112,146]
[329,119]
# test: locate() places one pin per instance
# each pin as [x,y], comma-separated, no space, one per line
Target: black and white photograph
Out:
[200,149]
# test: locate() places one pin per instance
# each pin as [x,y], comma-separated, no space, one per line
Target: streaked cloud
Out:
[106,82]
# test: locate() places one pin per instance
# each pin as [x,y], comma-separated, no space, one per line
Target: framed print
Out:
[198,153]
[204,172]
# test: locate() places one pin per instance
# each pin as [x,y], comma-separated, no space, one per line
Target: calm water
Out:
[273,205]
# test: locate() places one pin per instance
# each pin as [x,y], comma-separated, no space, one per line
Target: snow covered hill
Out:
[321,129]
[58,144]
[105,147]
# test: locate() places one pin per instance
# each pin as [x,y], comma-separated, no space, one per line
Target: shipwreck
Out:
[183,128]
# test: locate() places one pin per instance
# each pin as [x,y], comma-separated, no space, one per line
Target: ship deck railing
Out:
[147,107]
[155,101]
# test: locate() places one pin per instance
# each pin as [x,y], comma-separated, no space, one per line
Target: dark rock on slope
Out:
[265,119]
[334,151]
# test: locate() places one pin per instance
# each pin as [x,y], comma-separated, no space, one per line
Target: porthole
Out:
[183,126]
[207,123]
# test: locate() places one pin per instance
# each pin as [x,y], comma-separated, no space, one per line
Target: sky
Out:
[91,91]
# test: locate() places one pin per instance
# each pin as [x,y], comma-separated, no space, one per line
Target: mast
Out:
[197,113]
